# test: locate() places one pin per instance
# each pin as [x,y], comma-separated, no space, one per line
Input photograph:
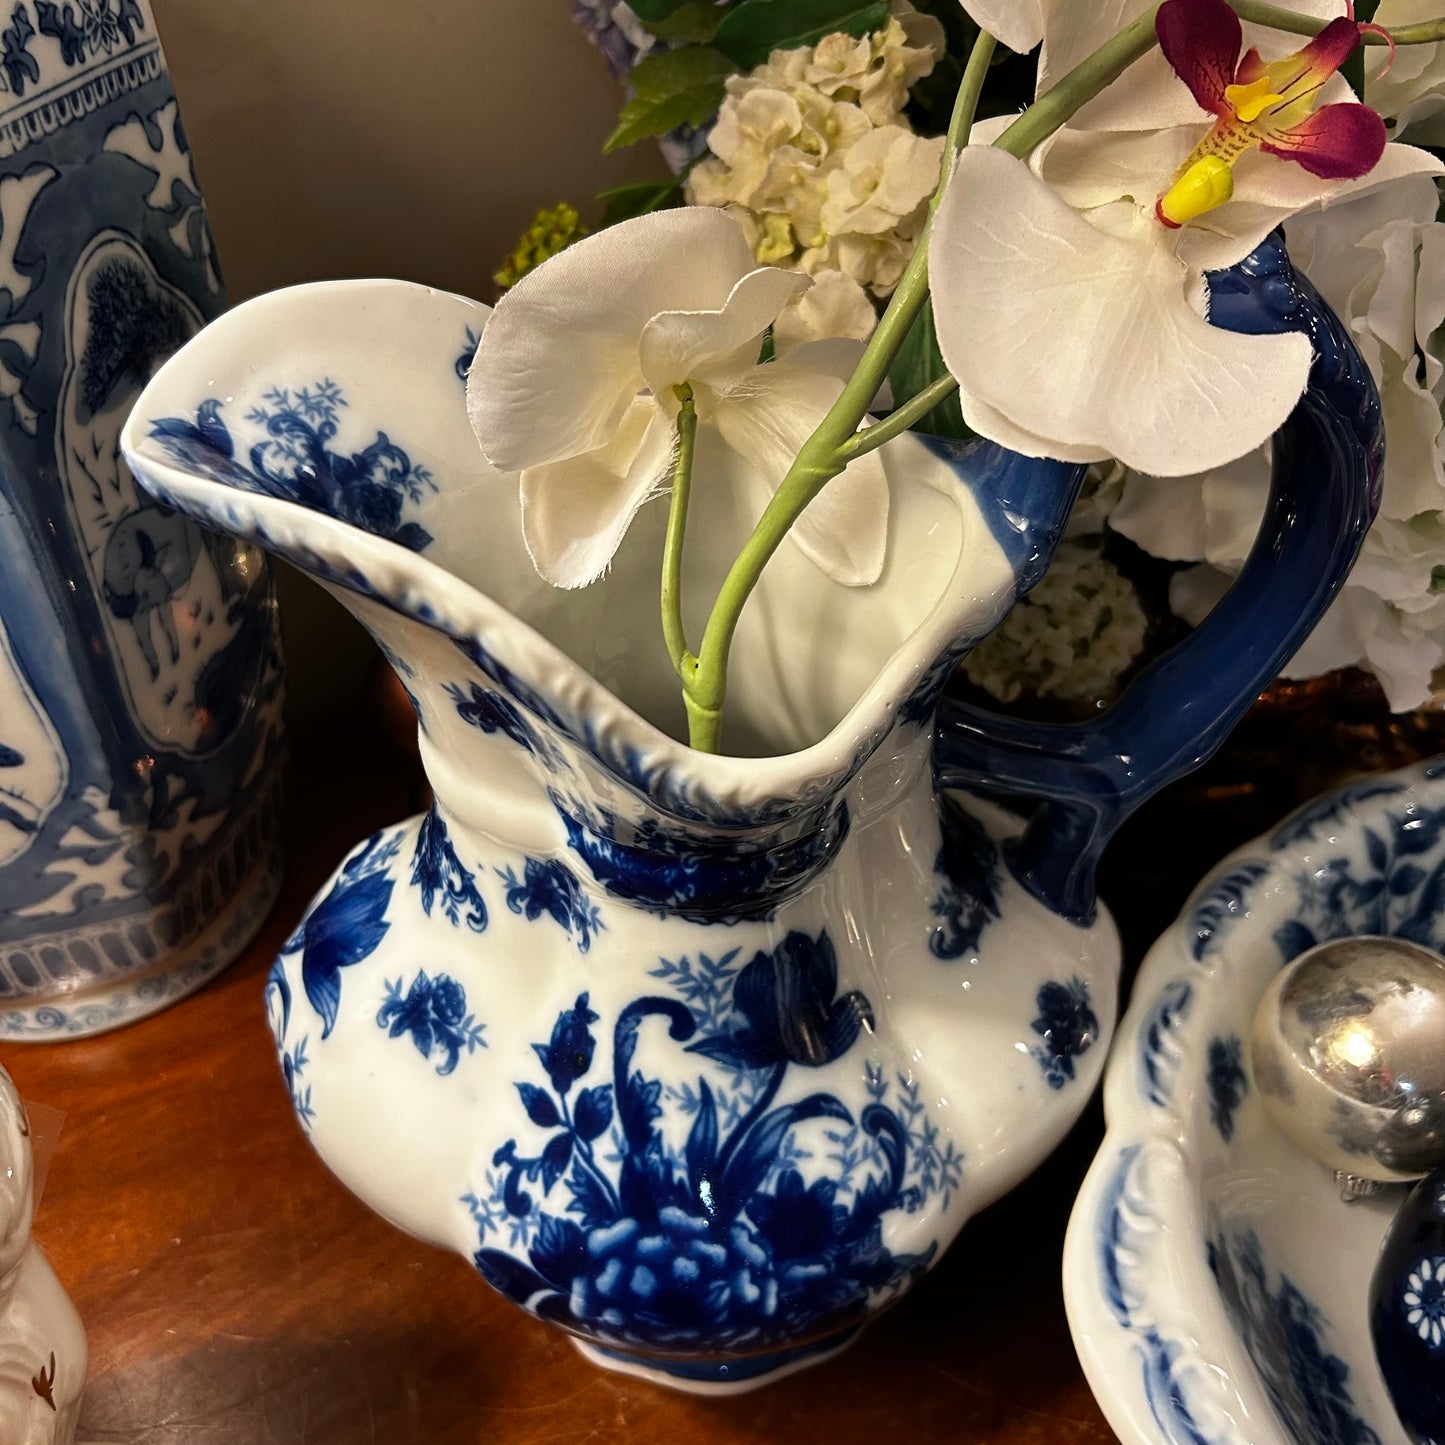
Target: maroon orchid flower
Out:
[1272,107]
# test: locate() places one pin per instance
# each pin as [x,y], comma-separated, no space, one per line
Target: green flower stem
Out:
[1424,32]
[965,107]
[836,440]
[900,419]
[823,455]
[1058,105]
[672,628]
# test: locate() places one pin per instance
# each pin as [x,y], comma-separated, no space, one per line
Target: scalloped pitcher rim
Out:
[349,559]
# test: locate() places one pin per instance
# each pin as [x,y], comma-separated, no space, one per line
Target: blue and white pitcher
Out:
[706,1058]
[140,678]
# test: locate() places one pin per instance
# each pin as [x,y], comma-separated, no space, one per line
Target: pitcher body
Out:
[705,1058]
[707,1096]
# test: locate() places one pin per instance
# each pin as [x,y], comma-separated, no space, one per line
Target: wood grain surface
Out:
[236,1294]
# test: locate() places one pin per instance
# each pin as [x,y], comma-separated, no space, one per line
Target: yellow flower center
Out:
[777,241]
[1252,100]
[1208,183]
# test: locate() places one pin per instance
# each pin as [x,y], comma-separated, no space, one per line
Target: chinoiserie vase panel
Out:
[140,673]
[703,1058]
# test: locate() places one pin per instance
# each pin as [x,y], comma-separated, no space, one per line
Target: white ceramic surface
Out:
[780,1015]
[42,1342]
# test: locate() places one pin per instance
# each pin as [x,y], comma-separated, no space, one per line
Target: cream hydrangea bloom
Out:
[1073,637]
[1379,260]
[812,154]
[834,305]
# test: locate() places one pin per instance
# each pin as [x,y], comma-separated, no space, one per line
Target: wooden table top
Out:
[236,1294]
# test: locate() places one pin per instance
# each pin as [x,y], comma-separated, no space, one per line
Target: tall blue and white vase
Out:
[140,670]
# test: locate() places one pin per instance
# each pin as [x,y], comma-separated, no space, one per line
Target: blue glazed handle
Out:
[1328,459]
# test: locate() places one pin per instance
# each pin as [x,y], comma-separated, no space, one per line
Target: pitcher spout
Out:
[329,424]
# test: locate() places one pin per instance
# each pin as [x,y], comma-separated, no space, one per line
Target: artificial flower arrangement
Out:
[825,271]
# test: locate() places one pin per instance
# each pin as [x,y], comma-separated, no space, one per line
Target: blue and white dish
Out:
[1217,1285]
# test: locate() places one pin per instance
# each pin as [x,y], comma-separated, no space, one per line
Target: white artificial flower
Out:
[1072,637]
[838,62]
[1379,261]
[753,123]
[876,71]
[1073,312]
[1071,30]
[1019,24]
[1406,88]
[874,261]
[834,305]
[904,52]
[883,180]
[573,385]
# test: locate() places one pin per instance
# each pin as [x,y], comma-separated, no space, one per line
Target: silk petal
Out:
[545,386]
[1089,338]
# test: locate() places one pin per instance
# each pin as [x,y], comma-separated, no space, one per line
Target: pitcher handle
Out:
[1325,488]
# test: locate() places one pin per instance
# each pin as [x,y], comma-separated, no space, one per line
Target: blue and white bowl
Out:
[1216,1284]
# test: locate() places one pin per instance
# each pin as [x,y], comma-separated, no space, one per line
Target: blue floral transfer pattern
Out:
[1397,889]
[1287,1336]
[968,900]
[20,66]
[682,873]
[546,888]
[346,926]
[1226,1082]
[296,459]
[1423,1299]
[463,364]
[1320,816]
[96,27]
[492,712]
[439,874]
[603,1225]
[1067,1026]
[293,1060]
[433,1011]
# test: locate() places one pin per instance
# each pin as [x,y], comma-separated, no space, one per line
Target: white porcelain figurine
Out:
[42,1342]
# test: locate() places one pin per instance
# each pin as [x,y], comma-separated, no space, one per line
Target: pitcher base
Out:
[719,1377]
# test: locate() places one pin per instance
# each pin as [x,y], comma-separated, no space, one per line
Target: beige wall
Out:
[410,138]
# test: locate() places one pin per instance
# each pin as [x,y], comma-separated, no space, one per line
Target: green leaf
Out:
[622,203]
[694,24]
[649,11]
[752,30]
[676,87]
[919,363]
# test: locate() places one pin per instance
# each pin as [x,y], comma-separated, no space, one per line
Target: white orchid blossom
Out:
[1379,261]
[574,386]
[1406,87]
[1070,293]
